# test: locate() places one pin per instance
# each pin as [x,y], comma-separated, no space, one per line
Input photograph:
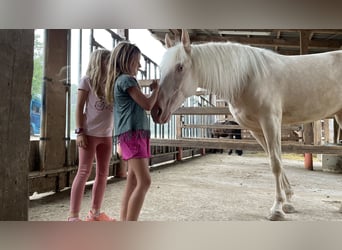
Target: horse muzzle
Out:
[159,115]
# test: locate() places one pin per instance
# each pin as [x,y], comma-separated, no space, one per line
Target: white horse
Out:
[264,90]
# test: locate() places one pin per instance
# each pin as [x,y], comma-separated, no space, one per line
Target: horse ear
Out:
[186,41]
[168,42]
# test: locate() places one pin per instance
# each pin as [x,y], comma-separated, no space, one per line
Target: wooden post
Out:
[203,151]
[308,128]
[308,140]
[124,33]
[16,69]
[329,131]
[318,128]
[178,124]
[179,154]
[317,132]
[52,143]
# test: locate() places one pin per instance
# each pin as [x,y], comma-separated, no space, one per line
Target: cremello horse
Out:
[264,90]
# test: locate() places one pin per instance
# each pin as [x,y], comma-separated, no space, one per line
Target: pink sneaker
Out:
[101,217]
[74,219]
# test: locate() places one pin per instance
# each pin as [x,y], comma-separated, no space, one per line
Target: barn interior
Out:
[47,161]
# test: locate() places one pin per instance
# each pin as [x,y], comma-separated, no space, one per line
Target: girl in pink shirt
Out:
[94,129]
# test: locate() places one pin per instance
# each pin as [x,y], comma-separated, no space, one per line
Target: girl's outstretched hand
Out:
[154,85]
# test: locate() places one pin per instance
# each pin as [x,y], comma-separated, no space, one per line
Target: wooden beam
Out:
[214,126]
[217,126]
[202,111]
[245,145]
[269,41]
[291,42]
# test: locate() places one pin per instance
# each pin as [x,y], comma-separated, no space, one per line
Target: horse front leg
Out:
[271,129]
[287,206]
[276,212]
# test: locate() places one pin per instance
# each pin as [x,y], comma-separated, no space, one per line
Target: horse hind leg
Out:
[287,206]
[338,118]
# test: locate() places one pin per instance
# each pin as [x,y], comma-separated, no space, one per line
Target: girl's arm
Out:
[140,98]
[82,96]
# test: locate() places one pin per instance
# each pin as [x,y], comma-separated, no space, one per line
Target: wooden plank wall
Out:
[292,139]
[171,150]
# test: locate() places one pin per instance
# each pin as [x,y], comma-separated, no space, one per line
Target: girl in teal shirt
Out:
[131,128]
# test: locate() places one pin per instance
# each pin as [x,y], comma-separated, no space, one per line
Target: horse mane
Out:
[217,64]
[231,64]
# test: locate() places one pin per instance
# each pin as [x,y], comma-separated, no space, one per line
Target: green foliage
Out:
[38,70]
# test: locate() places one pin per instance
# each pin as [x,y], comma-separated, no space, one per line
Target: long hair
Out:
[97,69]
[120,62]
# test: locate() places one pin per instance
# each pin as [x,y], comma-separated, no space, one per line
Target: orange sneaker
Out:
[101,217]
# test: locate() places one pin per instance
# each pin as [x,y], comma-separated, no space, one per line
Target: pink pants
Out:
[99,148]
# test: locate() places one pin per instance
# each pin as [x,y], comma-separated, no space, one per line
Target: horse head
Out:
[177,80]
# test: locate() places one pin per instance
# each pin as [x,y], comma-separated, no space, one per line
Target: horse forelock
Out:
[172,56]
[226,68]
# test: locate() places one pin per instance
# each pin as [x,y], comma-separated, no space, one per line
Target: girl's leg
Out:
[140,169]
[131,183]
[85,158]
[103,156]
[122,170]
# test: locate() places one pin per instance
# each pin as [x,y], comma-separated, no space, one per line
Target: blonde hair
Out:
[96,68]
[120,62]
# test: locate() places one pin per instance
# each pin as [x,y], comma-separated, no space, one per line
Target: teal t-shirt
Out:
[128,115]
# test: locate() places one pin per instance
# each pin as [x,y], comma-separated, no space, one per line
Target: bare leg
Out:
[136,193]
[131,183]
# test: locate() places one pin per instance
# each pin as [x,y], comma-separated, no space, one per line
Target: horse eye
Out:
[179,68]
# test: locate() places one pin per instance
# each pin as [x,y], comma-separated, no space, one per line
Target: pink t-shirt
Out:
[98,119]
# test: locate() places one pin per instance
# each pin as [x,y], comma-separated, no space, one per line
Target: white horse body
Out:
[263,89]
[301,88]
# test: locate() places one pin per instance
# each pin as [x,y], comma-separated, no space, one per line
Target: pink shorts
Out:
[135,147]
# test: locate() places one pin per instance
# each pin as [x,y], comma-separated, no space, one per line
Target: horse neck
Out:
[224,68]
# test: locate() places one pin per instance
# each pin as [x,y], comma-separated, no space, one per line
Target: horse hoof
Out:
[288,208]
[276,216]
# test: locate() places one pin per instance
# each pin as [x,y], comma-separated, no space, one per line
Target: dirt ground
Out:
[215,187]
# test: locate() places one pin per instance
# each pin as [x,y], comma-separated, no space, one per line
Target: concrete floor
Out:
[215,187]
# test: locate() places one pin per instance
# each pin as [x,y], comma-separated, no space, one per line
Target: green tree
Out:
[38,63]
